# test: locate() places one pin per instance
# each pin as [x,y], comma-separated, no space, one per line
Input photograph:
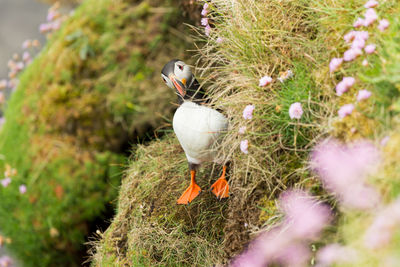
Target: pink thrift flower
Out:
[363,94]
[219,40]
[335,64]
[6,261]
[20,66]
[26,44]
[370,16]
[3,84]
[351,54]
[304,216]
[206,6]
[358,43]
[365,63]
[6,181]
[363,35]
[44,27]
[22,189]
[345,110]
[55,25]
[204,12]
[26,56]
[371,3]
[51,15]
[369,49]
[343,86]
[207,30]
[335,253]
[358,23]
[294,255]
[385,140]
[295,111]
[244,146]
[204,21]
[348,81]
[264,81]
[350,36]
[383,25]
[248,112]
[242,130]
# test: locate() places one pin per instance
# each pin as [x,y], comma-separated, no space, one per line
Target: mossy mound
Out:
[92,91]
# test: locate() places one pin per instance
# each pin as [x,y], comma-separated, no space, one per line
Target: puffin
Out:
[197,127]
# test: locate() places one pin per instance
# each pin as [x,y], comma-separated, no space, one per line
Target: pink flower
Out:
[365,63]
[26,56]
[383,24]
[204,21]
[22,189]
[51,15]
[26,44]
[295,255]
[248,112]
[335,253]
[264,81]
[345,110]
[351,54]
[295,111]
[55,25]
[370,16]
[363,94]
[344,85]
[206,6]
[363,35]
[244,146]
[3,84]
[6,181]
[335,64]
[207,30]
[344,169]
[242,130]
[44,27]
[383,227]
[304,216]
[371,3]
[5,261]
[358,23]
[369,49]
[350,36]
[358,43]
[204,12]
[219,40]
[20,66]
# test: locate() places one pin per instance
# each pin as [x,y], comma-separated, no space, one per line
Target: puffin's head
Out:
[177,75]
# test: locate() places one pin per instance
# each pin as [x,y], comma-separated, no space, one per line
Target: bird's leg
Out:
[193,190]
[221,188]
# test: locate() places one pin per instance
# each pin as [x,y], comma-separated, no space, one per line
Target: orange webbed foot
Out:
[191,192]
[221,187]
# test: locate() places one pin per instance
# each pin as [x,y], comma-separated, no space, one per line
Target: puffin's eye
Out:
[164,80]
[180,67]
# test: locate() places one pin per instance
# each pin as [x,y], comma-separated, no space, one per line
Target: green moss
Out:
[94,88]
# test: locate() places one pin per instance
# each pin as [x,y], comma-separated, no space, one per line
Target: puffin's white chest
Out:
[198,128]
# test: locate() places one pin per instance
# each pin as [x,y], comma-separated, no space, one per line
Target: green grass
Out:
[91,93]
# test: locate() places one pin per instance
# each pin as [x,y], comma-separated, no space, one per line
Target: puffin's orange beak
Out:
[179,85]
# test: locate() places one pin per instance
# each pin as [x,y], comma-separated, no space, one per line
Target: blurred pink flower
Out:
[370,16]
[344,85]
[344,169]
[244,146]
[19,66]
[242,130]
[204,21]
[6,261]
[363,94]
[3,84]
[348,37]
[264,81]
[358,43]
[44,27]
[304,216]
[358,23]
[383,24]
[204,12]
[26,56]
[207,30]
[365,63]
[335,64]
[248,112]
[351,54]
[382,229]
[206,6]
[26,44]
[22,189]
[362,34]
[295,255]
[371,3]
[345,110]
[335,253]
[369,49]
[219,40]
[295,111]
[55,25]
[51,15]
[6,181]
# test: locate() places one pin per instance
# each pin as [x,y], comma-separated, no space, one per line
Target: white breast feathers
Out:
[198,128]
